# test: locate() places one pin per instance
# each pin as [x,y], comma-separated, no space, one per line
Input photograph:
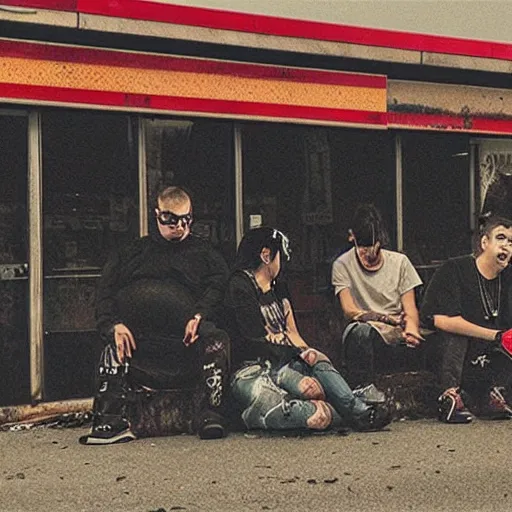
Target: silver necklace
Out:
[490,304]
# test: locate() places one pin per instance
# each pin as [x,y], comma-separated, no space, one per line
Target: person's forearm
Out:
[412,321]
[297,340]
[458,325]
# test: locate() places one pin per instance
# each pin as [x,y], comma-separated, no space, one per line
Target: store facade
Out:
[103,102]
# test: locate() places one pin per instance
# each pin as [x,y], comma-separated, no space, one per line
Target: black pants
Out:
[471,364]
[161,362]
[366,355]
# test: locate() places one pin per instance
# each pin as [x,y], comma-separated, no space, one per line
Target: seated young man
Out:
[375,288]
[279,382]
[468,302]
[157,301]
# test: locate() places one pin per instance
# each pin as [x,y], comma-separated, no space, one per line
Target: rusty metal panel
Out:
[466,62]
[424,105]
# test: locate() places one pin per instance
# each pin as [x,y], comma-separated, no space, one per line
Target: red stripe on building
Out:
[148,61]
[192,105]
[273,25]
[446,122]
[57,5]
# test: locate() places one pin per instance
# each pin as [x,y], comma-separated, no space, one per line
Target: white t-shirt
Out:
[378,291]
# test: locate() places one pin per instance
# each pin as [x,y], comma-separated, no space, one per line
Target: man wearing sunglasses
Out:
[157,303]
[375,288]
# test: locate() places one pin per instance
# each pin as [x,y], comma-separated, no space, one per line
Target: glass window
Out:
[14,344]
[307,181]
[90,204]
[197,155]
[436,196]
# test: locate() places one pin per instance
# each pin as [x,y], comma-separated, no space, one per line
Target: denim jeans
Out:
[271,398]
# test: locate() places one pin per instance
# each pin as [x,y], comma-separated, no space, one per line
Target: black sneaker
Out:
[378,416]
[211,426]
[381,415]
[451,408]
[109,433]
[496,407]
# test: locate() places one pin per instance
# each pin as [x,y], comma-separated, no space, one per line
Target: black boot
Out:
[211,422]
[109,409]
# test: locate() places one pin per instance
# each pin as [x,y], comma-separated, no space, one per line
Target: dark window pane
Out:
[307,182]
[197,155]
[436,196]
[14,345]
[90,205]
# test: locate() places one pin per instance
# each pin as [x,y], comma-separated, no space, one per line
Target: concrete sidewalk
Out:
[416,465]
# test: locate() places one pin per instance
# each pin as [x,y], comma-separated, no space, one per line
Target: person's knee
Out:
[358,332]
[312,356]
[321,419]
[215,340]
[311,389]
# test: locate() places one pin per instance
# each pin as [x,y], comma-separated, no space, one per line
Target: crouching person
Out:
[468,302]
[376,292]
[156,305]
[279,382]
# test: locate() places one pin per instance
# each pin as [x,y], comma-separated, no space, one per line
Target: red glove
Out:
[503,342]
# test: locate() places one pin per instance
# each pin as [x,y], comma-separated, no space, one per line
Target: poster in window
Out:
[495,165]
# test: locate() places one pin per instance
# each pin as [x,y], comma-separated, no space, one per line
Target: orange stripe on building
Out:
[189,84]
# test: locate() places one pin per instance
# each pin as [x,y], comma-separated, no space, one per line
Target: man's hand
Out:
[503,342]
[372,316]
[397,320]
[191,330]
[125,342]
[412,337]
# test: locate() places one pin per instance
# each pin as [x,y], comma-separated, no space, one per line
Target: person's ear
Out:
[265,255]
[351,236]
[484,242]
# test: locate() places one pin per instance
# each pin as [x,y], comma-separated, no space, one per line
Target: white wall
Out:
[476,19]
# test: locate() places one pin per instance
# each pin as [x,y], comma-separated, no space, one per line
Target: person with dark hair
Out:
[468,301]
[279,382]
[375,288]
[157,303]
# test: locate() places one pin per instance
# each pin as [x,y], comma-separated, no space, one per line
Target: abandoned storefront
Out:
[98,109]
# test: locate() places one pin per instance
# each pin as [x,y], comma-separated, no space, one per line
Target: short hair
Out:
[368,227]
[253,242]
[487,222]
[174,193]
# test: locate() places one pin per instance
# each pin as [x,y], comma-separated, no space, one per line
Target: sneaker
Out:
[370,394]
[496,407]
[379,416]
[451,408]
[211,426]
[109,433]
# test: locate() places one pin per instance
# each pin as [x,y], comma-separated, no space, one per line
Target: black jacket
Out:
[148,268]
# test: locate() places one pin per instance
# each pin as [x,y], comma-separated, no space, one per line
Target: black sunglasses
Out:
[167,218]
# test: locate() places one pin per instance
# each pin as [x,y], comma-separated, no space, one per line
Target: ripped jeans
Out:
[299,395]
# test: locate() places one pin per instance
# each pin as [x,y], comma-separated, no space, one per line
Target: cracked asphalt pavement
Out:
[414,466]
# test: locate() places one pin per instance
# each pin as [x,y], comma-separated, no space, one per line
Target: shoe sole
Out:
[456,422]
[212,432]
[123,437]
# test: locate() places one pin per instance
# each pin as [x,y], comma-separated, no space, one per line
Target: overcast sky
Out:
[476,19]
